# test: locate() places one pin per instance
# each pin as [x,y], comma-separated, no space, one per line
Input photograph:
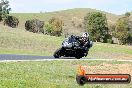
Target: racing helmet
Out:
[85,35]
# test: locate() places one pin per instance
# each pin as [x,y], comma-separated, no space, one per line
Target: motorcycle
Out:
[73,47]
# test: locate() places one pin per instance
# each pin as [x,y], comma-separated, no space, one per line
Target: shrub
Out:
[48,29]
[11,21]
[35,26]
[110,41]
[107,38]
[122,30]
[54,26]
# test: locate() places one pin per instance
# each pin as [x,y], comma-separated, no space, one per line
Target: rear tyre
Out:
[57,53]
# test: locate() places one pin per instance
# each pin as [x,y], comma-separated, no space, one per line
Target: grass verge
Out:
[50,74]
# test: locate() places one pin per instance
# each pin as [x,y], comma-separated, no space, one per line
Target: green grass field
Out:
[49,74]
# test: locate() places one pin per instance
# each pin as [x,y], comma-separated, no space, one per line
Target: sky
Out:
[35,6]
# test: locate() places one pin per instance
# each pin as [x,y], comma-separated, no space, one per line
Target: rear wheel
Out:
[57,53]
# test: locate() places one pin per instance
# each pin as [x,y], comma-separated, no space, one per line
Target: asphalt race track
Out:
[28,57]
[23,57]
[14,57]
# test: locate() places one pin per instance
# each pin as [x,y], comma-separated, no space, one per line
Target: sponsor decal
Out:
[83,78]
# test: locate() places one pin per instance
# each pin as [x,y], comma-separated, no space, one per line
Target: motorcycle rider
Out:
[83,41]
[84,37]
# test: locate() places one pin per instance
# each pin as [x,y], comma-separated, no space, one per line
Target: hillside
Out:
[66,15]
[18,41]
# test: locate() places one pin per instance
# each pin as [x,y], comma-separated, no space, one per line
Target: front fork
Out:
[86,52]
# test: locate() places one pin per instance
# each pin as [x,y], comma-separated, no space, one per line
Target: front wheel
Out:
[57,53]
[78,57]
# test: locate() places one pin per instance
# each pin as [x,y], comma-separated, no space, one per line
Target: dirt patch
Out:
[126,57]
[105,68]
[116,56]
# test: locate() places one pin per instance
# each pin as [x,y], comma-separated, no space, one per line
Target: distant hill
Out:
[66,15]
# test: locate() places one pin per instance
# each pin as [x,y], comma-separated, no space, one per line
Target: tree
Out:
[122,30]
[54,26]
[96,24]
[127,14]
[111,28]
[4,9]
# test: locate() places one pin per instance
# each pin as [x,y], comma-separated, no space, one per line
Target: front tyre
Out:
[57,53]
[78,57]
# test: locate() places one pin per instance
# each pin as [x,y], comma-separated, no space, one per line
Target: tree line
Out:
[95,23]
